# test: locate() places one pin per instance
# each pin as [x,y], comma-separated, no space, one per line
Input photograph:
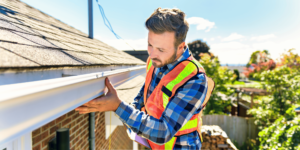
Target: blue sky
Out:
[233,29]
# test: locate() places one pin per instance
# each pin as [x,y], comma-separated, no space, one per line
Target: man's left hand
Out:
[109,102]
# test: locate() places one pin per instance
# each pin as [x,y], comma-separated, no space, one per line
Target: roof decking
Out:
[30,38]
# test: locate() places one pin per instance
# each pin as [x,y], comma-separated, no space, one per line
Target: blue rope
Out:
[108,25]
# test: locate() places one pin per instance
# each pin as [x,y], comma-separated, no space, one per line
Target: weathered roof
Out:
[31,38]
[129,90]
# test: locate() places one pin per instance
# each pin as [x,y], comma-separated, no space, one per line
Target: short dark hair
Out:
[162,20]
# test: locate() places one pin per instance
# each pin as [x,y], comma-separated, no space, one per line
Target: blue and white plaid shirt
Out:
[186,103]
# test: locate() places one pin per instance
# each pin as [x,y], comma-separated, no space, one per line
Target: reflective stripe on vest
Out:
[170,144]
[149,64]
[192,123]
[158,100]
[198,64]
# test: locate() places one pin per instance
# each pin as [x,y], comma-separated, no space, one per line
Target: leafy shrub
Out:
[275,114]
[221,76]
[284,133]
[284,84]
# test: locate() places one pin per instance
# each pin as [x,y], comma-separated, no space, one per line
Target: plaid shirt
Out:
[186,102]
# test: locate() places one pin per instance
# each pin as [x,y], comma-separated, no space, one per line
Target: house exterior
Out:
[140,54]
[241,106]
[47,69]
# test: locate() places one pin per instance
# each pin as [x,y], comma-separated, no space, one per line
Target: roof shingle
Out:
[31,38]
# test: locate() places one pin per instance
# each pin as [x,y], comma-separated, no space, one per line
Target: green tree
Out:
[290,59]
[221,76]
[197,47]
[257,56]
[259,62]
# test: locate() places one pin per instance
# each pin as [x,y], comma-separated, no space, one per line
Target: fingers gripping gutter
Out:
[108,102]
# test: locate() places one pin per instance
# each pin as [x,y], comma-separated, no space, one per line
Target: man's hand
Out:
[109,102]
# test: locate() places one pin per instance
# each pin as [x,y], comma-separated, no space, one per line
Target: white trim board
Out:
[29,75]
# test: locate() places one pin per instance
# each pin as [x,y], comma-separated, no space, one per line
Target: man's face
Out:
[161,48]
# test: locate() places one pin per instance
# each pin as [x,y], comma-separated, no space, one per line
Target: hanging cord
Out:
[108,25]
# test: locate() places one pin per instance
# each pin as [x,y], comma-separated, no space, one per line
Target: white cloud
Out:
[232,37]
[137,44]
[231,52]
[212,39]
[263,37]
[202,24]
[239,52]
[204,39]
[228,46]
[277,48]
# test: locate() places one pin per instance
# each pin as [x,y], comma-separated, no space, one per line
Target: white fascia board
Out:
[23,75]
[25,107]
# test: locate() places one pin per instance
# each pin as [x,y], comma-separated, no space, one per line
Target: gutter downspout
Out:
[90,9]
[92,131]
[91,115]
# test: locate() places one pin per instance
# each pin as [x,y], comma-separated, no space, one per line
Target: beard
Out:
[170,60]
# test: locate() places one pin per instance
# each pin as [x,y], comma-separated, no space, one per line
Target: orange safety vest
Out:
[165,90]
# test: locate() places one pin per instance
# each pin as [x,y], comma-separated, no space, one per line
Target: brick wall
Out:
[79,133]
[78,127]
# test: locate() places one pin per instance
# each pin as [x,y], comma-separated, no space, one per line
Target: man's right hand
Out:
[109,102]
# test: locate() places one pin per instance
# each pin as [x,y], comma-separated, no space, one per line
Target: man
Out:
[166,110]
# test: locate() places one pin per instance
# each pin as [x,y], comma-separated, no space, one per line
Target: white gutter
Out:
[25,107]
